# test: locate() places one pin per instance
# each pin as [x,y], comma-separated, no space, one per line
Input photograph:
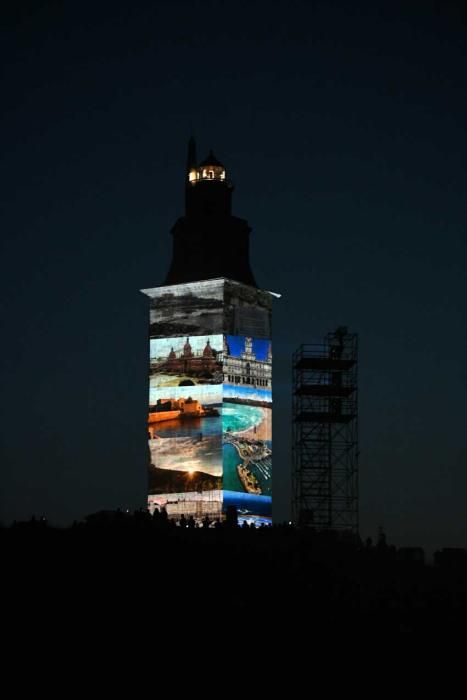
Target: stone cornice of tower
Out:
[147,291]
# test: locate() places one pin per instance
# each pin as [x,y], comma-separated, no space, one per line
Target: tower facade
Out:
[210,363]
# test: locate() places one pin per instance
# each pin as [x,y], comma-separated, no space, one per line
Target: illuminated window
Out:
[223,175]
[211,174]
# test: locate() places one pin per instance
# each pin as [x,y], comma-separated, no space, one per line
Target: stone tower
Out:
[210,409]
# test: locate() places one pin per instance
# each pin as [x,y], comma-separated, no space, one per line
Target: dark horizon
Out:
[343,130]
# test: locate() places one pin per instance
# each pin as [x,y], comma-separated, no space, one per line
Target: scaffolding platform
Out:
[325,433]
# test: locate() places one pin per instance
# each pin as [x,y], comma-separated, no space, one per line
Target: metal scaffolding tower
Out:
[325,433]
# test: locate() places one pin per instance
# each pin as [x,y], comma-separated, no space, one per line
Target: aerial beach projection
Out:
[247,453]
[247,456]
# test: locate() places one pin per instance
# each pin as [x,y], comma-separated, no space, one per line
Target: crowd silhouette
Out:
[277,575]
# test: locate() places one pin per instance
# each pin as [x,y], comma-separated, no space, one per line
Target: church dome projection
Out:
[187,349]
[210,363]
[208,351]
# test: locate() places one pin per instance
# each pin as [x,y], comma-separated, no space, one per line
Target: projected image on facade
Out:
[195,308]
[247,426]
[248,366]
[185,438]
[190,504]
[186,361]
[247,449]
[247,310]
[210,401]
[183,402]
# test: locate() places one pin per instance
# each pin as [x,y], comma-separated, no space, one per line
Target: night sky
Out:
[343,126]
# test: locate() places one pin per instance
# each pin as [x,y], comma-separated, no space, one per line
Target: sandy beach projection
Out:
[247,449]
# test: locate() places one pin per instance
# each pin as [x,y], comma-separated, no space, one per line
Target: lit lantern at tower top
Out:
[209,169]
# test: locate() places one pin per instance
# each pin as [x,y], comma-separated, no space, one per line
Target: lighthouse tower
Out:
[210,363]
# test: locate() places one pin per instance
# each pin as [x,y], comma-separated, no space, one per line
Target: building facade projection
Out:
[247,368]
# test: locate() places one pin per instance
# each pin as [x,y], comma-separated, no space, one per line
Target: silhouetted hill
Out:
[145,568]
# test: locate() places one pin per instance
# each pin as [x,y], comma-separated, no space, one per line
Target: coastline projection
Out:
[247,425]
[205,394]
[194,308]
[247,456]
[238,418]
[261,471]
[248,394]
[185,439]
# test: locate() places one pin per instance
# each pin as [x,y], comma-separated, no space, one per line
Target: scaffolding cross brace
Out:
[325,433]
